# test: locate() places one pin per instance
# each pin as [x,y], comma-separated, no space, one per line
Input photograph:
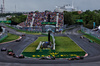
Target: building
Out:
[67,7]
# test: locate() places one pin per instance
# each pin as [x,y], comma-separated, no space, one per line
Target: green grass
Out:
[92,38]
[65,44]
[10,27]
[32,47]
[65,48]
[65,30]
[79,31]
[10,37]
[27,32]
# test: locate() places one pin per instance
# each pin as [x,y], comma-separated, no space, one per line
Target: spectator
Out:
[42,17]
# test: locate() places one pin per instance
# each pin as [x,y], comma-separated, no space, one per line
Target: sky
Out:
[42,5]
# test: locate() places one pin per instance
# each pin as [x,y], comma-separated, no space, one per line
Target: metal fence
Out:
[2,35]
[53,41]
[91,32]
[34,29]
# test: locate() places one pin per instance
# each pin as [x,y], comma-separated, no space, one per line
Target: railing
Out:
[95,34]
[3,36]
[33,29]
[38,48]
[53,41]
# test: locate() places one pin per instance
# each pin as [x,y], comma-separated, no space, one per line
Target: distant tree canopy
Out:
[68,18]
[47,11]
[11,14]
[17,19]
[88,18]
[36,11]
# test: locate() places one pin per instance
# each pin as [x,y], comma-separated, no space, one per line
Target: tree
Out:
[68,19]
[18,19]
[98,20]
[47,11]
[89,17]
[36,11]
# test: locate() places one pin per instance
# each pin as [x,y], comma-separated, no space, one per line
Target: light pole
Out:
[93,25]
[49,31]
[57,17]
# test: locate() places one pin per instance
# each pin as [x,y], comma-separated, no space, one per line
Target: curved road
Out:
[91,48]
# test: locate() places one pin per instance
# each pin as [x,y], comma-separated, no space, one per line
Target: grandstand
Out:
[29,19]
[34,20]
[42,17]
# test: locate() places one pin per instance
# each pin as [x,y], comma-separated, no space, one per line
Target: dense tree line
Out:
[17,19]
[88,18]
[11,14]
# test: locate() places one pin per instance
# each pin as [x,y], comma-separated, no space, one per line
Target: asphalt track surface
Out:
[92,49]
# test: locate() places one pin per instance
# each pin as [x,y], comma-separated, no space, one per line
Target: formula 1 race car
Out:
[76,58]
[23,34]
[18,40]
[3,49]
[15,56]
[11,53]
[91,41]
[21,56]
[81,37]
[47,58]
[10,50]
